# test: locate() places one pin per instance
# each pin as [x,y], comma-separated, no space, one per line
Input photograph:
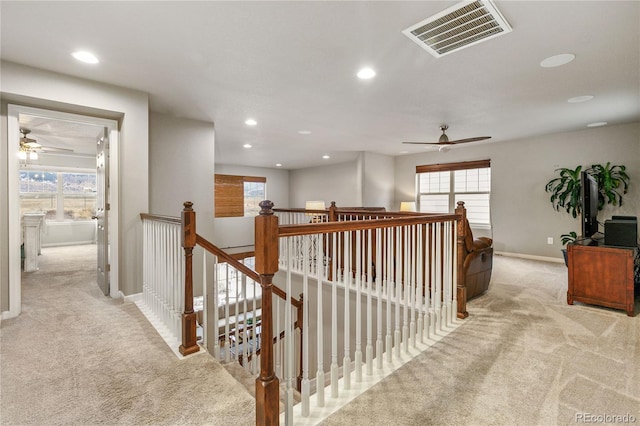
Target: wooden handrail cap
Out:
[266,208]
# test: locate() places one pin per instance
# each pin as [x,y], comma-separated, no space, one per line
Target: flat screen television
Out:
[589,198]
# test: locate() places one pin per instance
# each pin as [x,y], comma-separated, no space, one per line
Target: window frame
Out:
[229,194]
[452,168]
[59,193]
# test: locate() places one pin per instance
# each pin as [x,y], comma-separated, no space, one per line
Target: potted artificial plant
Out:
[566,191]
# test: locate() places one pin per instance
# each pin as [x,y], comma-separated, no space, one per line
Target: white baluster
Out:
[420,281]
[305,389]
[379,285]
[320,327]
[370,272]
[406,289]
[398,287]
[359,269]
[216,306]
[389,291]
[334,318]
[227,337]
[412,283]
[346,361]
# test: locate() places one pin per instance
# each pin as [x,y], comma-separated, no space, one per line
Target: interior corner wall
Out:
[239,231]
[181,167]
[378,181]
[336,182]
[34,87]
[521,214]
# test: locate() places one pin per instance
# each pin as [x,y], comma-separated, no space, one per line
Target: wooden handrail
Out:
[159,218]
[358,225]
[211,248]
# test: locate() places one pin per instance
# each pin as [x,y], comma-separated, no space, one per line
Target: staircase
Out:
[375,289]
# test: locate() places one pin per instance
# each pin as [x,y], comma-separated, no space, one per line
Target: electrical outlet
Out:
[549,240]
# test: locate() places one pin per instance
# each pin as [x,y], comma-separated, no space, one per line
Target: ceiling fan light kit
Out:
[30,147]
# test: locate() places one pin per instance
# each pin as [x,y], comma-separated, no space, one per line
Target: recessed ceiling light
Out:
[278,165]
[579,99]
[250,122]
[326,157]
[557,60]
[246,145]
[85,56]
[304,132]
[366,73]
[597,124]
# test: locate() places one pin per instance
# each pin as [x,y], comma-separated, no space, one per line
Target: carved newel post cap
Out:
[333,204]
[460,204]
[266,208]
[188,205]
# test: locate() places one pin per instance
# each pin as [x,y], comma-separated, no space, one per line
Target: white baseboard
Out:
[132,298]
[8,315]
[531,257]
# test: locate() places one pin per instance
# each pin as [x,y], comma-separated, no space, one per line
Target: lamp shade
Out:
[314,205]
[408,206]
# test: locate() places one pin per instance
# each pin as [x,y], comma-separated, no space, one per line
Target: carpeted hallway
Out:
[75,357]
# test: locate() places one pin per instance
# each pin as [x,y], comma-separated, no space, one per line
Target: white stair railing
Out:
[163,273]
[394,282]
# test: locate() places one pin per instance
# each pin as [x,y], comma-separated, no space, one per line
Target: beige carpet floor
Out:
[76,357]
[524,357]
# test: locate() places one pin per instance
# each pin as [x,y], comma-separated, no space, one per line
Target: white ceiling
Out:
[292,65]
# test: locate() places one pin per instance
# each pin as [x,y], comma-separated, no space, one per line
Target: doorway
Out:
[65,146]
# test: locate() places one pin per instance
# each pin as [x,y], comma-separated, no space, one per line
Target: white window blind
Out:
[441,186]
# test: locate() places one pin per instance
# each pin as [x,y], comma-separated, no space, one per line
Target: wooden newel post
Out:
[333,212]
[266,250]
[461,212]
[189,343]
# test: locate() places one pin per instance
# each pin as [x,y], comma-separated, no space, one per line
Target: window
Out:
[441,186]
[238,196]
[59,195]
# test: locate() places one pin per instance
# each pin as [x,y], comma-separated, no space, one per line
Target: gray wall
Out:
[337,182]
[378,181]
[38,88]
[181,165]
[522,215]
[239,231]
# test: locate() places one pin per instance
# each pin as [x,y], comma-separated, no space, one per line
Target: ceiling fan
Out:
[29,145]
[444,139]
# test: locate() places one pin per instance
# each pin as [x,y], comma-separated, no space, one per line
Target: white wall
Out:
[522,215]
[68,233]
[38,88]
[239,231]
[337,182]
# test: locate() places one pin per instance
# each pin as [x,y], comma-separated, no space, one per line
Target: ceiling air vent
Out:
[460,26]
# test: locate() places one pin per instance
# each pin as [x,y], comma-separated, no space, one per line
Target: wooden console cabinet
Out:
[601,275]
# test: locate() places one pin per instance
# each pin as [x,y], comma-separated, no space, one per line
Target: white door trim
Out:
[13,167]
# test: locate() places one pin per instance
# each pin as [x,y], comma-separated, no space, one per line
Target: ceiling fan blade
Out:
[423,143]
[53,148]
[479,138]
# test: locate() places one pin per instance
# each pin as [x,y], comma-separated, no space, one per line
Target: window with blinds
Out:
[441,186]
[238,196]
